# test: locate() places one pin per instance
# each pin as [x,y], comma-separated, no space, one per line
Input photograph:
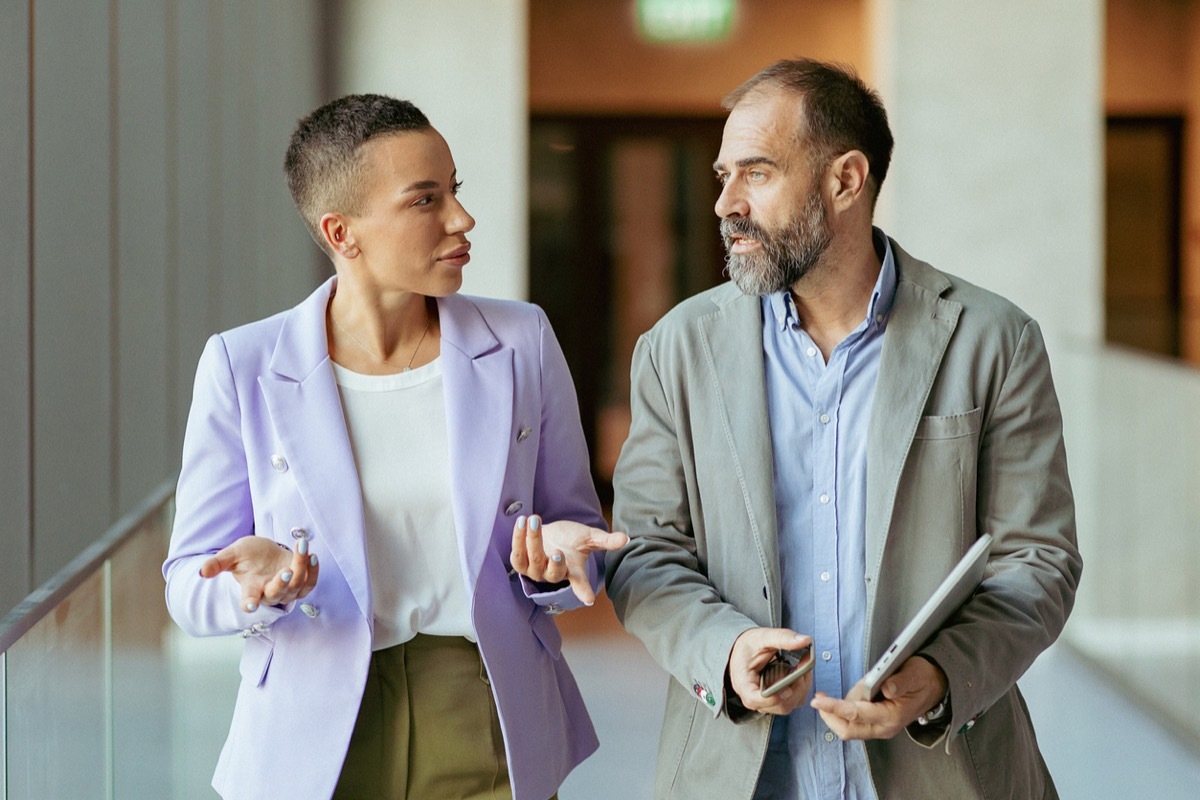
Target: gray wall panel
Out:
[71,286]
[15,532]
[142,262]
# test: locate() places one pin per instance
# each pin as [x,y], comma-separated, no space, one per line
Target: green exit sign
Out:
[685,20]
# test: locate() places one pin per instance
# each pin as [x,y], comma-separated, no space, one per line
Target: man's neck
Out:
[832,299]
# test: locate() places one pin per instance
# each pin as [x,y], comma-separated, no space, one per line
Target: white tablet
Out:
[955,590]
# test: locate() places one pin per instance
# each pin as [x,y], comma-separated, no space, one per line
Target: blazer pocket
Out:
[953,426]
[256,658]
[546,631]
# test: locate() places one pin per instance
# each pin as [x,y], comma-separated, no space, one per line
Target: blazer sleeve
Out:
[213,506]
[1025,502]
[563,488]
[657,582]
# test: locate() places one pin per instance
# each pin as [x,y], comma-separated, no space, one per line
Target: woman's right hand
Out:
[266,572]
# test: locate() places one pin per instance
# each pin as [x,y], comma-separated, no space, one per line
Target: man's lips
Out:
[742,244]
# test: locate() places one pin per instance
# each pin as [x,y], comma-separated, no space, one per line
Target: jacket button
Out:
[524,434]
[309,610]
[278,462]
[554,609]
[299,533]
[514,507]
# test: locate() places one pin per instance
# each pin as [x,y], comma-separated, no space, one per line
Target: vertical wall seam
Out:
[171,284]
[114,265]
[30,364]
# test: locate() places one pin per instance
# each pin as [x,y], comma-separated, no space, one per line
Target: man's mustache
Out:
[741,226]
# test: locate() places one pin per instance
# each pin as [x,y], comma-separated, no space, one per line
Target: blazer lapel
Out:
[477,378]
[919,328]
[732,340]
[306,410]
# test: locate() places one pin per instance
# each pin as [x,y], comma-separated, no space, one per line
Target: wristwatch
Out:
[935,713]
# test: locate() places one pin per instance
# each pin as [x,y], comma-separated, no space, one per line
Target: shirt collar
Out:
[784,308]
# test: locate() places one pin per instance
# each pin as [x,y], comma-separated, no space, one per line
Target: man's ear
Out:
[848,175]
[335,230]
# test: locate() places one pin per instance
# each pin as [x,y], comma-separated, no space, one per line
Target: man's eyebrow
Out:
[746,162]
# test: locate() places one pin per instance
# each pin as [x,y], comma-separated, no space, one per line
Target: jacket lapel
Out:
[732,340]
[477,379]
[306,411]
[919,328]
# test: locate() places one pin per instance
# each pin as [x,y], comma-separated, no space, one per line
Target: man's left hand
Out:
[915,688]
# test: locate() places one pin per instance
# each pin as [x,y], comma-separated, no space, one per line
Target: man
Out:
[813,447]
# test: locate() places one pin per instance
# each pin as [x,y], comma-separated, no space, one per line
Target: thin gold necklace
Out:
[371,353]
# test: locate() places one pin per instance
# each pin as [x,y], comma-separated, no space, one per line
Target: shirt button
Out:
[279,463]
[829,737]
[824,419]
[825,656]
[825,576]
[812,351]
[309,610]
[824,499]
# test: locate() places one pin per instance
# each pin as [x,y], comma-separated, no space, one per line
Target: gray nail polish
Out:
[535,523]
[302,547]
[286,576]
[556,558]
[252,606]
[521,521]
[312,560]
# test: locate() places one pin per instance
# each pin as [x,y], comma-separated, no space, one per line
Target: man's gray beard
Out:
[785,257]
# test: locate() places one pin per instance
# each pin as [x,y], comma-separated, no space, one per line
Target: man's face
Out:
[773,216]
[411,230]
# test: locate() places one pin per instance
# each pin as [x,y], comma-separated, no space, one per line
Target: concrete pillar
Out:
[463,62]
[997,176]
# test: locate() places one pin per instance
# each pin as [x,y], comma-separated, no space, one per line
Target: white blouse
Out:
[397,427]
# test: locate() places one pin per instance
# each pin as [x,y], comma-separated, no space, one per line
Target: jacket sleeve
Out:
[657,582]
[1025,502]
[563,487]
[212,507]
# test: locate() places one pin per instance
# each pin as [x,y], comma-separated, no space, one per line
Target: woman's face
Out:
[411,229]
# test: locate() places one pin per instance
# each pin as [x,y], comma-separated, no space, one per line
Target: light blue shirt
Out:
[818,415]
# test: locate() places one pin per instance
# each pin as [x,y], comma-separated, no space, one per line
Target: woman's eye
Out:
[424,200]
[454,187]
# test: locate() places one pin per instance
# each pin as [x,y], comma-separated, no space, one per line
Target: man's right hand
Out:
[751,652]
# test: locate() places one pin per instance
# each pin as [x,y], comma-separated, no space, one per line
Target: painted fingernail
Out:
[252,606]
[312,560]
[556,558]
[535,523]
[286,576]
[521,521]
[302,547]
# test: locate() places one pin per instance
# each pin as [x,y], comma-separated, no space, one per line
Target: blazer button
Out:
[299,533]
[514,507]
[278,462]
[309,610]
[554,609]
[524,434]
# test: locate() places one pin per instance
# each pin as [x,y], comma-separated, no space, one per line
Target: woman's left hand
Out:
[559,551]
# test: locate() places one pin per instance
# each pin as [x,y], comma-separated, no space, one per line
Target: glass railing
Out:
[98,690]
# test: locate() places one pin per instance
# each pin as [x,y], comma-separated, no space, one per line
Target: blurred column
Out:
[998,114]
[463,62]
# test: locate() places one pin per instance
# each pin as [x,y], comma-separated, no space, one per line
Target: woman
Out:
[356,477]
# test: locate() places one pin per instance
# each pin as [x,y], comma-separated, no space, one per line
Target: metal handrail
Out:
[17,622]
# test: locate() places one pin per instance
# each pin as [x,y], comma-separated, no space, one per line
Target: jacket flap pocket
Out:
[256,658]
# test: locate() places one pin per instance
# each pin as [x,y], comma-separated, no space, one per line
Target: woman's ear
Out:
[336,233]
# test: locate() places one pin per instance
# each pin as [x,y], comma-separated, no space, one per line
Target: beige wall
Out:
[586,57]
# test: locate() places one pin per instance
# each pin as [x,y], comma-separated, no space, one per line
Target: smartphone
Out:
[787,667]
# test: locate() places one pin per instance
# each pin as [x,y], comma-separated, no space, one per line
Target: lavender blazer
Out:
[266,451]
